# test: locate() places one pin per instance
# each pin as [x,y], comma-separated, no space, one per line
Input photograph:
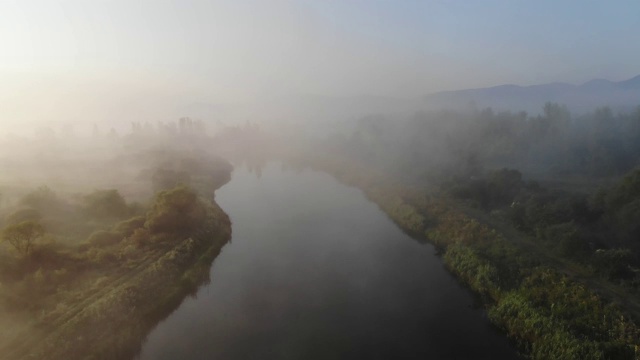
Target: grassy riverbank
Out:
[100,301]
[543,305]
[101,272]
[108,314]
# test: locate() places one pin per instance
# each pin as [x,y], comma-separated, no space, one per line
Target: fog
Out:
[71,62]
[501,139]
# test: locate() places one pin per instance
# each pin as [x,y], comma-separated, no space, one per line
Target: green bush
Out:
[105,204]
[475,271]
[140,237]
[127,227]
[544,336]
[23,236]
[177,211]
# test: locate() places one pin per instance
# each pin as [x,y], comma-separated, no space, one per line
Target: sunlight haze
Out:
[319,179]
[65,61]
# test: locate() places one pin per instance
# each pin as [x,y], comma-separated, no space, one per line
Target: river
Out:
[316,271]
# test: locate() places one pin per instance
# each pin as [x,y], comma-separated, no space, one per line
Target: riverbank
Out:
[99,298]
[539,305]
[108,314]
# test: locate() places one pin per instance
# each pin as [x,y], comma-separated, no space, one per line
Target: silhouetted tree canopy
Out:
[23,236]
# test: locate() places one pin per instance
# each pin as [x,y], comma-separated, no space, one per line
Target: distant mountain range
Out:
[620,96]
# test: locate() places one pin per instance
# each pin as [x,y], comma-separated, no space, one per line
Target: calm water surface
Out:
[316,271]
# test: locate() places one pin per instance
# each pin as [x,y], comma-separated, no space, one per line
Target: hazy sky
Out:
[139,58]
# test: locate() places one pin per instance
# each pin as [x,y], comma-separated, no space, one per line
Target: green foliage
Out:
[22,236]
[579,311]
[127,227]
[107,204]
[561,319]
[622,208]
[402,213]
[176,211]
[626,191]
[544,336]
[473,270]
[95,293]
[140,237]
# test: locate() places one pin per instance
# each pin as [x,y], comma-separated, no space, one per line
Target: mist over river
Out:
[316,271]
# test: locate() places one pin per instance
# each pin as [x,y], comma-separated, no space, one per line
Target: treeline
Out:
[436,145]
[184,127]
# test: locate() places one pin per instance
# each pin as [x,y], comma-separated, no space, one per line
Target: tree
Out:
[106,204]
[23,236]
[177,211]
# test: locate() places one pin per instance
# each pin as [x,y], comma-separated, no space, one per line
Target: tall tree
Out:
[23,236]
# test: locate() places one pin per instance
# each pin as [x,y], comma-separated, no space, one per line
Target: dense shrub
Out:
[472,269]
[127,227]
[543,336]
[23,236]
[177,211]
[107,204]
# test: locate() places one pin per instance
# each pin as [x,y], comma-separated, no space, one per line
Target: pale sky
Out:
[105,59]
